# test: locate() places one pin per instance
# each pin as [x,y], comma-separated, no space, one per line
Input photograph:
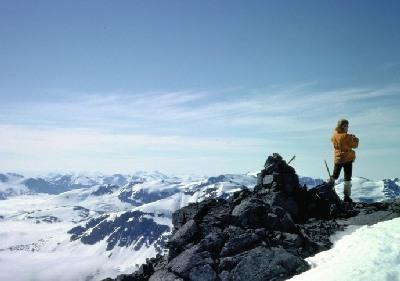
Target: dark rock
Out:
[276,164]
[285,221]
[191,212]
[226,264]
[391,187]
[251,212]
[369,214]
[213,243]
[224,276]
[291,240]
[216,218]
[186,234]
[239,244]
[203,273]
[132,227]
[263,234]
[239,196]
[45,219]
[164,275]
[284,201]
[189,259]
[267,264]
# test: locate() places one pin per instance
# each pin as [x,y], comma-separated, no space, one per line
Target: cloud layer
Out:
[231,129]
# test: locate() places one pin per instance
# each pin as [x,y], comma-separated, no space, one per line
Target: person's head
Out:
[342,126]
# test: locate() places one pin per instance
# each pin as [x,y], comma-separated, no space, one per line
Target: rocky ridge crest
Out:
[263,234]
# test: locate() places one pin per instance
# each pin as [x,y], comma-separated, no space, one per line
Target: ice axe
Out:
[329,173]
[294,156]
[327,168]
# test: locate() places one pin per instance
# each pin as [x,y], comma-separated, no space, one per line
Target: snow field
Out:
[368,253]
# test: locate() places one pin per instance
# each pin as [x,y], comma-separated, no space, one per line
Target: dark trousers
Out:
[348,169]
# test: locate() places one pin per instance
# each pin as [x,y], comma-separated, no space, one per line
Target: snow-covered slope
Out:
[365,253]
[97,228]
[362,253]
[120,220]
[368,191]
[12,184]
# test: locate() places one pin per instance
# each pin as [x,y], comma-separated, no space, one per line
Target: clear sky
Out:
[204,87]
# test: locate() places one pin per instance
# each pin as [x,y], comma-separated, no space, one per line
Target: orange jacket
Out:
[343,144]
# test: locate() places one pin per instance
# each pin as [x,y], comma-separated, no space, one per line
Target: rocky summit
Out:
[260,234]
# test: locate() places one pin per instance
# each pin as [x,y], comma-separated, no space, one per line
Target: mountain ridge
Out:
[77,207]
[263,234]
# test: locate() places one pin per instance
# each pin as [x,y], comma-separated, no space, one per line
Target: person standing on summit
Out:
[343,144]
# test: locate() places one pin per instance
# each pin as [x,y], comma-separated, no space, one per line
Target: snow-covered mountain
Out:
[100,226]
[12,184]
[88,227]
[365,190]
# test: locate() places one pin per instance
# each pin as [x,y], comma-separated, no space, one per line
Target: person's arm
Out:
[353,141]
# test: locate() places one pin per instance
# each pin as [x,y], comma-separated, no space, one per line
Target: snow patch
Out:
[369,253]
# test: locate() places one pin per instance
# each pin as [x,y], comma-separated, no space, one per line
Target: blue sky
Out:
[203,87]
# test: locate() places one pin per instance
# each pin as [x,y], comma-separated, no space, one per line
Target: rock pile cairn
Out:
[260,234]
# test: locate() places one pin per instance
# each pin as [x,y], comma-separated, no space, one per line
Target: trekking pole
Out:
[327,168]
[294,156]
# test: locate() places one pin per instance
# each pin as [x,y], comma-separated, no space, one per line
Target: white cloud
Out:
[284,107]
[18,138]
[81,149]
[158,127]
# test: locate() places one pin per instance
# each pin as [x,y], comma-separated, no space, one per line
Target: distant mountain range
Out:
[124,219]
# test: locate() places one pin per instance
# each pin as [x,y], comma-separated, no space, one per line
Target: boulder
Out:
[263,263]
[164,275]
[203,273]
[213,243]
[240,243]
[251,212]
[189,259]
[186,234]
